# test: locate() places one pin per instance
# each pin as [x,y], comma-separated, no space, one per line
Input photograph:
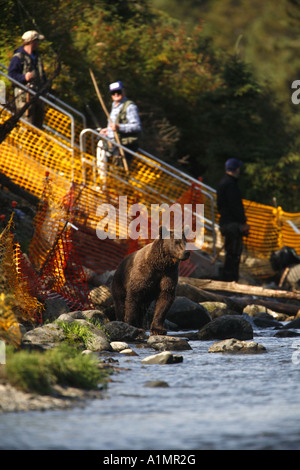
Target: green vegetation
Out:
[33,371]
[75,333]
[212,78]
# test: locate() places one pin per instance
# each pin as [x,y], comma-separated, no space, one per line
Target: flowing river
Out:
[213,401]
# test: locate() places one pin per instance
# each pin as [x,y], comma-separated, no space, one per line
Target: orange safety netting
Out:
[52,250]
[27,153]
[16,279]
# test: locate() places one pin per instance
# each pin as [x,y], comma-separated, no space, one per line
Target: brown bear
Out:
[149,274]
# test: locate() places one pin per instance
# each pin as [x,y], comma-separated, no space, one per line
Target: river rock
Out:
[66,318]
[54,307]
[101,297]
[118,345]
[286,334]
[165,357]
[188,314]
[77,315]
[254,310]
[156,383]
[120,331]
[128,352]
[168,343]
[233,345]
[96,316]
[295,324]
[218,309]
[46,334]
[225,327]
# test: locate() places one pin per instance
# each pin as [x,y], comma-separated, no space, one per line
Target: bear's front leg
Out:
[133,311]
[162,307]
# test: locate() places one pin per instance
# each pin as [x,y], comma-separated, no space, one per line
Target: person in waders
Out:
[233,222]
[125,121]
[26,67]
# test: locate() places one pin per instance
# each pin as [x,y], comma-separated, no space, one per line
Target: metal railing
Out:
[147,190]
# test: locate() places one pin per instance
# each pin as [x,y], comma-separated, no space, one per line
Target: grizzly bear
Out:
[149,274]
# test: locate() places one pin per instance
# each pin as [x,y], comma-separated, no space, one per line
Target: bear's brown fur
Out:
[148,274]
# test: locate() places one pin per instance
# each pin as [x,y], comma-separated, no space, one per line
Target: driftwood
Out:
[279,307]
[200,295]
[195,289]
[233,287]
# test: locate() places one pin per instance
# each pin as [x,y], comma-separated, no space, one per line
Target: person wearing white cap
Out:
[124,119]
[26,67]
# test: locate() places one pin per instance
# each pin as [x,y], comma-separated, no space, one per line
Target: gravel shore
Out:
[12,400]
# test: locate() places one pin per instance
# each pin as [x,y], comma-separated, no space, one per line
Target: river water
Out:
[214,402]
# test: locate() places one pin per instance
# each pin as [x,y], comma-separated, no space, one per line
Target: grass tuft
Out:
[37,372]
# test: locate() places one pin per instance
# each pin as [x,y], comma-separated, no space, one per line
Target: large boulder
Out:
[187,314]
[47,335]
[225,327]
[120,331]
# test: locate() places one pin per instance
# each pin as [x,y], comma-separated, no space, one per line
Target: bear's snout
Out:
[186,255]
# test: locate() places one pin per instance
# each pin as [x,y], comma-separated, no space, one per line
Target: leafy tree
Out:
[196,101]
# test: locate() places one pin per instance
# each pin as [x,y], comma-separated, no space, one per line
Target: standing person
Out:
[233,222]
[125,120]
[26,66]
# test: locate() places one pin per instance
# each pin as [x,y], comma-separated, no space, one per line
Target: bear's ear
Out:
[163,232]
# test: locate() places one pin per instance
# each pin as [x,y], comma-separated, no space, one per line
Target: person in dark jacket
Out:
[233,222]
[26,67]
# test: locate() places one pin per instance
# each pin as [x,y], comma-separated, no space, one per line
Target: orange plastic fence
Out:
[16,278]
[27,153]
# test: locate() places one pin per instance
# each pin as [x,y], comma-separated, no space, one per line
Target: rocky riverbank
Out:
[231,328]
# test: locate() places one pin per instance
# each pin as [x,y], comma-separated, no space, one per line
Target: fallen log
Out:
[234,287]
[237,304]
[279,307]
[198,295]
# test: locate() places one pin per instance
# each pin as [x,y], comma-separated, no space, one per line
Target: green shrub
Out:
[33,371]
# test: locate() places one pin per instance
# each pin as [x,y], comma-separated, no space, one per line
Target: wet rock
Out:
[225,327]
[266,321]
[233,345]
[167,343]
[293,324]
[165,357]
[128,352]
[120,331]
[157,383]
[118,345]
[188,314]
[286,334]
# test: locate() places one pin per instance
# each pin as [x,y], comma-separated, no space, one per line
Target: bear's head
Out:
[174,244]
